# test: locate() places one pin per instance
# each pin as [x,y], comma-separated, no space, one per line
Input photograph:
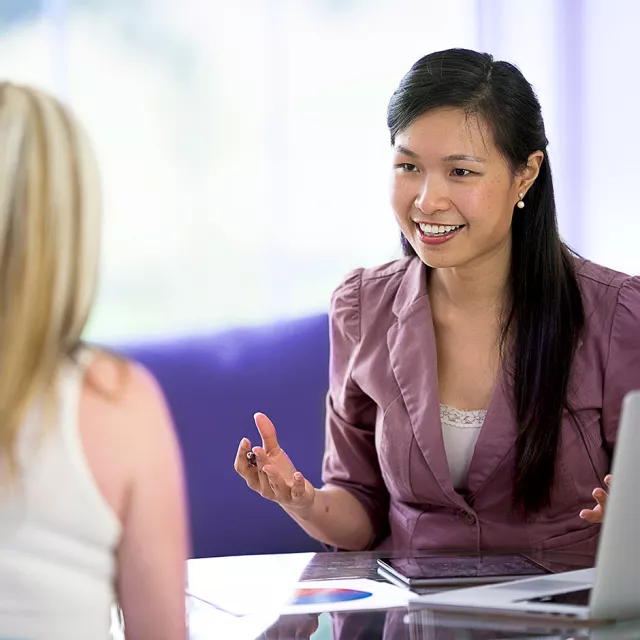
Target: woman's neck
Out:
[480,286]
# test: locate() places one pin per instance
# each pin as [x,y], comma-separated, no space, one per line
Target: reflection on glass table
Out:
[402,624]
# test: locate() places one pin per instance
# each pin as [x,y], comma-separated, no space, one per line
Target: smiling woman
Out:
[477,151]
[446,157]
[476,384]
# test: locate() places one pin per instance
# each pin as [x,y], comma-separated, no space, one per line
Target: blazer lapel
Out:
[412,351]
[413,356]
[497,437]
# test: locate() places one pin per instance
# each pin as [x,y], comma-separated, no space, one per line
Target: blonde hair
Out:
[49,243]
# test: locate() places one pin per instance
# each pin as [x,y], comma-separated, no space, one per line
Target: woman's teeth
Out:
[437,230]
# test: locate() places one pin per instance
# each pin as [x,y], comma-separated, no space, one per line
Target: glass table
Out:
[405,623]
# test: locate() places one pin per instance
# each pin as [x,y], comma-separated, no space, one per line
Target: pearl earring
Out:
[520,203]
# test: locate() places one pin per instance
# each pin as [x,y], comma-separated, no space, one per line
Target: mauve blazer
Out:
[384,439]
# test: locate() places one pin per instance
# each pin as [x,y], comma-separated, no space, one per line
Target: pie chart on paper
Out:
[328,596]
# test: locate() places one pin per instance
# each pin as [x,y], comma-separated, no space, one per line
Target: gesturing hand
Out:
[597,513]
[273,476]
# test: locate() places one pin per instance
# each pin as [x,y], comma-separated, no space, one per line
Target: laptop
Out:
[606,593]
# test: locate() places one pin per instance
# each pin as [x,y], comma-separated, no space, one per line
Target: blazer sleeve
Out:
[350,459]
[622,373]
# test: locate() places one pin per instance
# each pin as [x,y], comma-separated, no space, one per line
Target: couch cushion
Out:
[214,384]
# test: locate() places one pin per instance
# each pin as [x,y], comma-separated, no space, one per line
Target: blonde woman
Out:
[92,506]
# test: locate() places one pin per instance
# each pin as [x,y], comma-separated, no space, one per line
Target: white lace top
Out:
[460,430]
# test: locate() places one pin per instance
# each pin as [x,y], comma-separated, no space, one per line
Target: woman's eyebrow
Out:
[406,152]
[456,157]
[463,157]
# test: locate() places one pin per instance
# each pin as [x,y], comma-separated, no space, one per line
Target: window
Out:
[243,145]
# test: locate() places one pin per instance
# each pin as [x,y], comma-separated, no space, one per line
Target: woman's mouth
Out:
[437,233]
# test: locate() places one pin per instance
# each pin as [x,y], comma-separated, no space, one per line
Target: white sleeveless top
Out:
[58,535]
[460,431]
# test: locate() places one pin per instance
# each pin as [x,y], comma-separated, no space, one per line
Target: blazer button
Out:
[469,518]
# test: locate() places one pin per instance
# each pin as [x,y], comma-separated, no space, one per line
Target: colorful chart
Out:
[328,596]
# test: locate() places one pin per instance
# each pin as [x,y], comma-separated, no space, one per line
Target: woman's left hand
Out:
[597,513]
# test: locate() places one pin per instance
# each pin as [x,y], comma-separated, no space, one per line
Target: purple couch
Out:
[214,384]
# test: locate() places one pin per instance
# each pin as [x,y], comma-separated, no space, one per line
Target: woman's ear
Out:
[527,176]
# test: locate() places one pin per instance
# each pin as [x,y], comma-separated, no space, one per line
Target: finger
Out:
[298,488]
[241,463]
[601,497]
[261,460]
[607,480]
[264,487]
[280,488]
[242,466]
[261,457]
[267,433]
[592,515]
[263,480]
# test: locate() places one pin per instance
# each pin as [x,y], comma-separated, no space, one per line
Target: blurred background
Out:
[243,144]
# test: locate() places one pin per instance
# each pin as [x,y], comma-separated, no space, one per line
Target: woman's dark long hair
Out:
[545,315]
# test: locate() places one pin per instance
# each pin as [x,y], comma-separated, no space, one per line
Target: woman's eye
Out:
[408,167]
[461,173]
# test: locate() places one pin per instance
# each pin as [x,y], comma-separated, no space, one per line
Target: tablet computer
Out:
[455,570]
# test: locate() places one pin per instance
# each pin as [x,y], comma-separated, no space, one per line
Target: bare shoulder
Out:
[118,380]
[124,423]
[125,391]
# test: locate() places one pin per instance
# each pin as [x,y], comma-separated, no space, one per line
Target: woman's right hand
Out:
[274,477]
